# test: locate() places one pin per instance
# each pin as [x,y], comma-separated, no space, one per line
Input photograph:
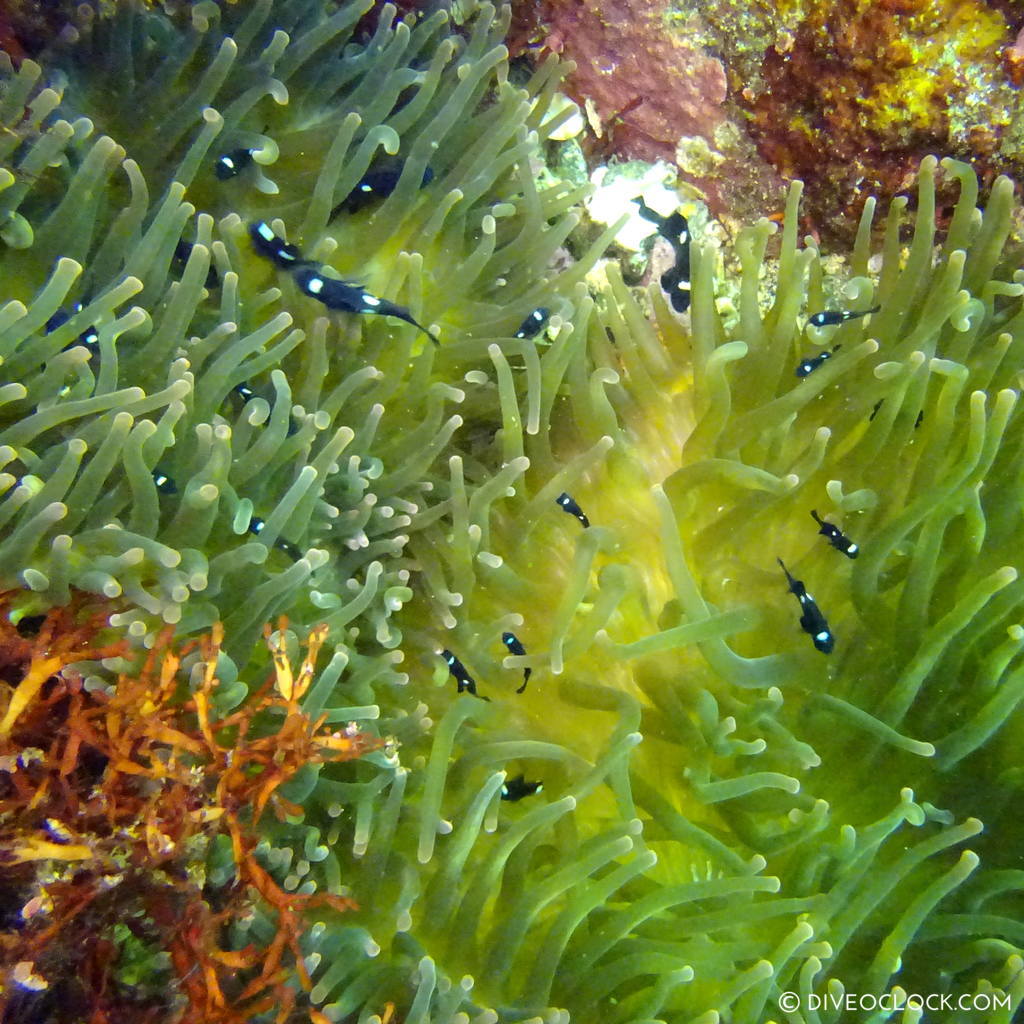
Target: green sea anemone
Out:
[727,814]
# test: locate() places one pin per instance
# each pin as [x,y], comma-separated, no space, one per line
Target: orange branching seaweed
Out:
[109,803]
[67,635]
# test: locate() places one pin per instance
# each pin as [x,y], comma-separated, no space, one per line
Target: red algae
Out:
[111,801]
[646,86]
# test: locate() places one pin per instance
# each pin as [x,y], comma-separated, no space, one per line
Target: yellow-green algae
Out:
[727,814]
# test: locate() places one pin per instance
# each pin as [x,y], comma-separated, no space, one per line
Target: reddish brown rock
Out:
[648,86]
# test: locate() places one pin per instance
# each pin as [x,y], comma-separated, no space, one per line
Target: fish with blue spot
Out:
[182,251]
[271,247]
[512,643]
[230,165]
[567,503]
[808,366]
[164,484]
[836,537]
[465,682]
[676,231]
[347,297]
[376,184]
[812,621]
[517,788]
[534,323]
[247,393]
[257,526]
[89,338]
[832,317]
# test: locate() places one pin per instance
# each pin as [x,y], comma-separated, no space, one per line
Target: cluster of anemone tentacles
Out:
[790,821]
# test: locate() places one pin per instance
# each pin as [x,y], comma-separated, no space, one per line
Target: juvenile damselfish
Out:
[164,484]
[812,621]
[836,537]
[534,323]
[273,248]
[511,641]
[376,183]
[567,503]
[465,682]
[831,317]
[182,251]
[675,230]
[246,392]
[257,526]
[346,297]
[89,338]
[807,366]
[230,165]
[517,787]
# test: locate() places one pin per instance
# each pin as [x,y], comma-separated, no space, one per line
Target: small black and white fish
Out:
[836,537]
[673,228]
[275,249]
[164,484]
[676,231]
[567,503]
[288,548]
[89,338]
[244,391]
[347,297]
[181,254]
[61,317]
[376,183]
[831,317]
[676,283]
[534,323]
[808,366]
[257,526]
[516,788]
[812,621]
[457,670]
[230,165]
[511,641]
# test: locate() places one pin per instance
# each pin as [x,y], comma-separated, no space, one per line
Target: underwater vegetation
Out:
[128,817]
[712,787]
[645,84]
